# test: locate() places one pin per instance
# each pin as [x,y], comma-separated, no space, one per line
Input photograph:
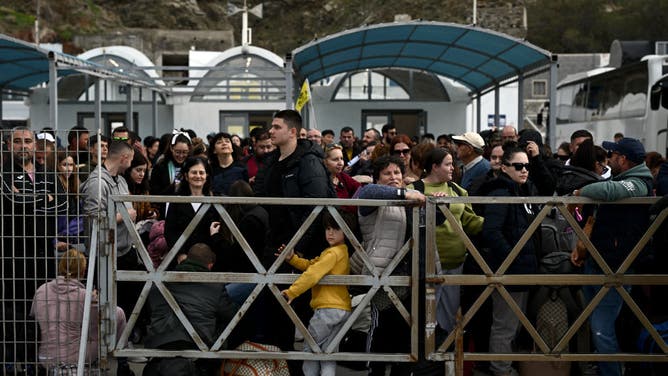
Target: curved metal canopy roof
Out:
[24,65]
[475,57]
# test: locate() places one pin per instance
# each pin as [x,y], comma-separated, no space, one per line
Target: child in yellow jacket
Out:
[331,303]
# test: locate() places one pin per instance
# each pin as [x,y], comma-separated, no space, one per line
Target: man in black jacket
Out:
[296,170]
[206,305]
[29,207]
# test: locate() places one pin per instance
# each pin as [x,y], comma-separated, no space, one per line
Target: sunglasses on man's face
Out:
[518,166]
[120,138]
[403,151]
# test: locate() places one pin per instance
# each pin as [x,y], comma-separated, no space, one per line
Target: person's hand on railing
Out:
[214,228]
[285,295]
[415,196]
[440,194]
[288,255]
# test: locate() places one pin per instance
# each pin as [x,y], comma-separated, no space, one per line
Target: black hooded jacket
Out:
[506,223]
[301,175]
[572,178]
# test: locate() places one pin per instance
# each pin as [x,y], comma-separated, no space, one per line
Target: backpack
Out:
[554,307]
[557,235]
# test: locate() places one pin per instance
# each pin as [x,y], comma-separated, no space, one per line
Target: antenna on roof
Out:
[246,33]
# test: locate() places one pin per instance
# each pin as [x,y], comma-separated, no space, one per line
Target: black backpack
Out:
[557,235]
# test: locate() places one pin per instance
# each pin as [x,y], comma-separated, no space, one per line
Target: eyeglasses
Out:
[518,166]
[563,157]
[121,138]
[402,152]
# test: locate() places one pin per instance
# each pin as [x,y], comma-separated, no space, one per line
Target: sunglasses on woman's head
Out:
[403,151]
[518,166]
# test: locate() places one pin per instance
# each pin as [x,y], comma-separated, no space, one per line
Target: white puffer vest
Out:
[383,234]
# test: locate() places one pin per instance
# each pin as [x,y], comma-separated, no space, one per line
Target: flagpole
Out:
[311,108]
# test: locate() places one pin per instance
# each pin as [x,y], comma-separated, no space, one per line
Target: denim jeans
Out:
[448,301]
[602,322]
[504,329]
[239,292]
[324,326]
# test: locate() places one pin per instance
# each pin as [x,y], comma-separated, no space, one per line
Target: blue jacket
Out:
[471,174]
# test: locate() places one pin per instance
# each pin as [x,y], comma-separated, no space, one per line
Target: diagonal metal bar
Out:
[523,239]
[643,319]
[237,317]
[240,238]
[647,236]
[295,239]
[450,339]
[398,304]
[182,239]
[122,341]
[473,250]
[351,320]
[523,319]
[180,315]
[346,230]
[593,251]
[295,319]
[580,320]
[387,272]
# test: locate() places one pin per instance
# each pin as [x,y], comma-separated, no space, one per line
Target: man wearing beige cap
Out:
[469,150]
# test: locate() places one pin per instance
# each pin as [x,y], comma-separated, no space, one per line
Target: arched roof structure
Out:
[475,57]
[242,72]
[129,54]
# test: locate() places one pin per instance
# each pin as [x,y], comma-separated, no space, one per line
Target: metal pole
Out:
[53,92]
[496,106]
[520,102]
[1,114]
[475,12]
[552,113]
[83,341]
[98,114]
[154,111]
[478,111]
[128,114]
[288,81]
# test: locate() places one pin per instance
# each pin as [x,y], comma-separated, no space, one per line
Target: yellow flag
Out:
[304,96]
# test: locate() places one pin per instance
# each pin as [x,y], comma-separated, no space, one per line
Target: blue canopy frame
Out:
[479,59]
[24,65]
[475,57]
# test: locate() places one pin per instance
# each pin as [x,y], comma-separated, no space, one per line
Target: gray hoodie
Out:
[95,203]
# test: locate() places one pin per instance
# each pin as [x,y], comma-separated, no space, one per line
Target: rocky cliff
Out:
[286,24]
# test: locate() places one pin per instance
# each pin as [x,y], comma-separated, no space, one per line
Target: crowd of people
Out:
[51,193]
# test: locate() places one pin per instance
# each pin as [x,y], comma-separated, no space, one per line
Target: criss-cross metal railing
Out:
[263,278]
[497,280]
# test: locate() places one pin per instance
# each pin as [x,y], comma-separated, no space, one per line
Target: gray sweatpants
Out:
[324,326]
